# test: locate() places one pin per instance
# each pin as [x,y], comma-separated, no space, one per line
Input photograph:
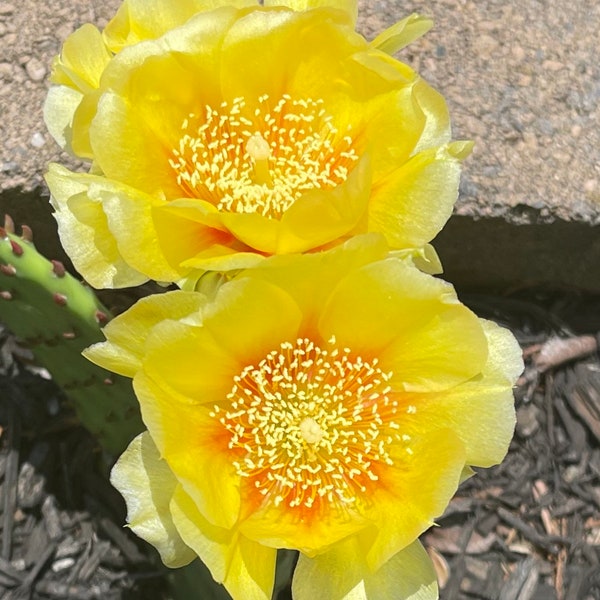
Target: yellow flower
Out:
[247,132]
[328,402]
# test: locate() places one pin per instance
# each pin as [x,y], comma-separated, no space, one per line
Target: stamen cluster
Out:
[311,423]
[261,160]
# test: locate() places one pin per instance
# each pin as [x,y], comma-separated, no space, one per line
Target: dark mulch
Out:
[61,521]
[528,529]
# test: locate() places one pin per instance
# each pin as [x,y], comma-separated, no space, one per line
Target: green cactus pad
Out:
[56,316]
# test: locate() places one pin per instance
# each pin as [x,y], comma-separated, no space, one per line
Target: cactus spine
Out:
[57,317]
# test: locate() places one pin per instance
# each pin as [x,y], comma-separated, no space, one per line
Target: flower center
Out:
[262,160]
[310,424]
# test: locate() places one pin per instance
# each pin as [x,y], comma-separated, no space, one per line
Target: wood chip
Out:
[522,583]
[557,351]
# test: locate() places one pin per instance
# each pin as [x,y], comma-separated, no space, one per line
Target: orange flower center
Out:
[310,424]
[262,160]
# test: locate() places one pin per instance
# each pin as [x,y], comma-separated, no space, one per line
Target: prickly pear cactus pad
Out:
[57,317]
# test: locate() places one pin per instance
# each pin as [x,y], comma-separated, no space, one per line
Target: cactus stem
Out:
[17,249]
[130,411]
[58,268]
[57,317]
[26,233]
[80,383]
[8,270]
[9,224]
[60,299]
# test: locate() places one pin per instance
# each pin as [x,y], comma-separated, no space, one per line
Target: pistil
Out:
[259,151]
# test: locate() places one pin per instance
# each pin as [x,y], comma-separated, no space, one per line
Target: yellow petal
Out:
[437,117]
[316,218]
[336,574]
[193,209]
[391,125]
[370,68]
[301,55]
[109,208]
[319,217]
[342,574]
[84,231]
[402,33]
[171,354]
[82,61]
[202,241]
[411,205]
[254,230]
[123,351]
[193,445]
[152,88]
[412,322]
[59,108]
[186,238]
[412,492]
[218,258]
[245,568]
[138,20]
[310,278]
[505,361]
[251,318]
[127,149]
[130,218]
[309,532]
[446,350]
[147,484]
[481,410]
[409,575]
[80,128]
[350,7]
[425,258]
[214,545]
[78,70]
[248,319]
